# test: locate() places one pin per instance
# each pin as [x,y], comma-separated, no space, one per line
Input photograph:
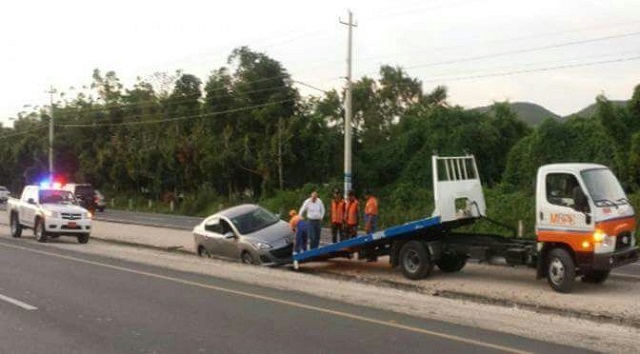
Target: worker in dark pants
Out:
[352,211]
[299,228]
[371,223]
[314,210]
[337,217]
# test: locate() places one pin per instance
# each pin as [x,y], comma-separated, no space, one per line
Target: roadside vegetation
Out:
[246,134]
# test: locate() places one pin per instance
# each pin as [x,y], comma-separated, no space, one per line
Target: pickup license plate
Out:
[72,225]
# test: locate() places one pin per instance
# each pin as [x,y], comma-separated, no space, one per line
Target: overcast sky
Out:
[60,42]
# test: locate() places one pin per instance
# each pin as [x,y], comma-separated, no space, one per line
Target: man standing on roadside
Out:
[351,217]
[314,210]
[337,217]
[370,212]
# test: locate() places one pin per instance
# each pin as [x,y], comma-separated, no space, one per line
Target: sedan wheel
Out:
[202,252]
[247,258]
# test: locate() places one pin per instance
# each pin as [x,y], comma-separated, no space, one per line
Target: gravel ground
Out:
[568,330]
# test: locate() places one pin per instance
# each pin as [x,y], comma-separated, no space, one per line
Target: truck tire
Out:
[39,231]
[415,260]
[595,276]
[561,272]
[83,238]
[16,228]
[452,262]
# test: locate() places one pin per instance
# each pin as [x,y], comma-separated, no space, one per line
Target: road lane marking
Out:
[336,313]
[18,303]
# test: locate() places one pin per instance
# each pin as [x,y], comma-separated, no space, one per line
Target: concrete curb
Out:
[119,221]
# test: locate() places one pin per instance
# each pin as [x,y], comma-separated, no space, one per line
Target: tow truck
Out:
[50,211]
[585,226]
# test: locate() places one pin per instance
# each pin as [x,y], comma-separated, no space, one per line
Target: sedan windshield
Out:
[53,196]
[254,220]
[603,186]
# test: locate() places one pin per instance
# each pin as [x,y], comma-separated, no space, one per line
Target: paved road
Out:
[57,301]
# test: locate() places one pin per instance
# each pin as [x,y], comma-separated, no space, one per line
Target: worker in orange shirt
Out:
[337,217]
[352,209]
[299,228]
[370,212]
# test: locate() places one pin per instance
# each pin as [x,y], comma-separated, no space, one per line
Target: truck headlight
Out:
[51,214]
[599,236]
[88,215]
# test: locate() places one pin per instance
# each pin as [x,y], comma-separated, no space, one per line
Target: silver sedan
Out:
[246,232]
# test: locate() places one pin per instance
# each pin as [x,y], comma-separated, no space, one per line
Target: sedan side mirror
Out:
[229,235]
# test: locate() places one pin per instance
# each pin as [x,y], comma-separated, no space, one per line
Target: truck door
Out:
[563,212]
[27,210]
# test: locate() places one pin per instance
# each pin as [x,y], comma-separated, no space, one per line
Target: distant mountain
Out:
[591,109]
[530,113]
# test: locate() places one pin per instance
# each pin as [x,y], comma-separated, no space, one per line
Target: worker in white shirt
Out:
[314,211]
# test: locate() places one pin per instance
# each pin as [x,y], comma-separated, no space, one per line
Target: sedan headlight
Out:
[262,246]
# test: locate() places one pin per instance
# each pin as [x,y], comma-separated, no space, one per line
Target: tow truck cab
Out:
[585,225]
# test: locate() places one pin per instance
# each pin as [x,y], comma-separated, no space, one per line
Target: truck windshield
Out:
[53,196]
[604,188]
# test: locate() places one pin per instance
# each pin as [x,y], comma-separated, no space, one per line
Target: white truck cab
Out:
[51,212]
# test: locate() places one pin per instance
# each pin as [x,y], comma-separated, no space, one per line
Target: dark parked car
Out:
[84,193]
[246,232]
[100,199]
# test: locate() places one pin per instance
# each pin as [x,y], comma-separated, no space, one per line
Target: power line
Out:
[24,132]
[176,118]
[521,51]
[548,68]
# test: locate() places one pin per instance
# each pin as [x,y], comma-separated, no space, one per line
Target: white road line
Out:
[18,303]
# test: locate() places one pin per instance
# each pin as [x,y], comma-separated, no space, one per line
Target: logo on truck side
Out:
[562,219]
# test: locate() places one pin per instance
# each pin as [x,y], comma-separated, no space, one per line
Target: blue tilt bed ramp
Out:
[357,242]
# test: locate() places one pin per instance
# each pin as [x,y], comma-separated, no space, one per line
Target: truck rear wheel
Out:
[561,270]
[16,228]
[415,260]
[39,232]
[452,262]
[596,276]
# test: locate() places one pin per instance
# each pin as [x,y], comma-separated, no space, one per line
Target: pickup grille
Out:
[623,240]
[71,216]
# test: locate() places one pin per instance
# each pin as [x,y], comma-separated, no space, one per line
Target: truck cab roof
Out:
[573,167]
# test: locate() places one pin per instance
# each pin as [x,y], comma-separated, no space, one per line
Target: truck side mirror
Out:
[31,201]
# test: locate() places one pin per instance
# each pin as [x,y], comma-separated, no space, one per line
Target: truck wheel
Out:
[39,232]
[415,260]
[16,228]
[561,270]
[452,262]
[595,276]
[83,238]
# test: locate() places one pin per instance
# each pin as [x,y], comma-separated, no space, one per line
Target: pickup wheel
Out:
[595,276]
[39,232]
[561,272]
[83,238]
[452,262]
[415,260]
[16,228]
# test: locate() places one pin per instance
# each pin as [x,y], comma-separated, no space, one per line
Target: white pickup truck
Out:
[51,212]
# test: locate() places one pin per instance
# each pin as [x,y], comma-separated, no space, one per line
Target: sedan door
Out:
[213,236]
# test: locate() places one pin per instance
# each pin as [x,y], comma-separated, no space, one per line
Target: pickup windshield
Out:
[53,196]
[604,188]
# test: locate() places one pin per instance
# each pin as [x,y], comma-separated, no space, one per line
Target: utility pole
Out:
[348,110]
[51,170]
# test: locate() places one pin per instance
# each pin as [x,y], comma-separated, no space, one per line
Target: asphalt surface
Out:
[88,304]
